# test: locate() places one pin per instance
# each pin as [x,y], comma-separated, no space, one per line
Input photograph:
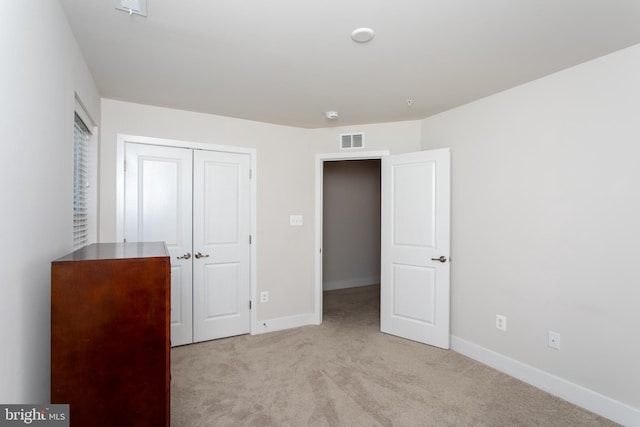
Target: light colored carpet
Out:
[346,373]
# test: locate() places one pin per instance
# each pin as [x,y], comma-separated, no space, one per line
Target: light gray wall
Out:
[285,185]
[351,224]
[545,204]
[546,222]
[284,175]
[395,137]
[41,70]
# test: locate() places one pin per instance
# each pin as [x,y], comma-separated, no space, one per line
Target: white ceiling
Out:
[289,61]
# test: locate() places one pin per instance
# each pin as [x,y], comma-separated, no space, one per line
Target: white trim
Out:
[120,156]
[82,111]
[320,159]
[120,141]
[578,395]
[288,322]
[185,144]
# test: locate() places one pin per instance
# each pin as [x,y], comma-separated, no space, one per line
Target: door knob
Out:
[441,259]
[198,255]
[185,256]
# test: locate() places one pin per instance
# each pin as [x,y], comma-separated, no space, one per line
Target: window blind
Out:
[81,136]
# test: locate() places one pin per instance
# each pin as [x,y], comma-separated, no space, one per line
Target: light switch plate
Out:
[295,220]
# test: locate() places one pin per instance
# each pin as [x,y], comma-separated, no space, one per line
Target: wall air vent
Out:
[350,141]
[137,7]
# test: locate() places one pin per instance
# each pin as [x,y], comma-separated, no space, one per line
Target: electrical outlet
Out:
[501,322]
[264,296]
[554,340]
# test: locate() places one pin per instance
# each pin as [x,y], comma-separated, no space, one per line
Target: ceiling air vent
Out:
[138,7]
[350,141]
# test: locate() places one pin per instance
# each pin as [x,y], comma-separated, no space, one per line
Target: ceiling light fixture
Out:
[362,35]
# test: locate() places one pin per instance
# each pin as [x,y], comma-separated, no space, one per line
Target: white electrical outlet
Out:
[554,340]
[264,296]
[501,322]
[295,220]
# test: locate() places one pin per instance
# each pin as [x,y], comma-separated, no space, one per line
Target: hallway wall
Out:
[351,223]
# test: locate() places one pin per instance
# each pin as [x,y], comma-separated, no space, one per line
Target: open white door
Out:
[415,246]
[221,228]
[158,208]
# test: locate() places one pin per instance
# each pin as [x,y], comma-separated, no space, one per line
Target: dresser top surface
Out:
[104,251]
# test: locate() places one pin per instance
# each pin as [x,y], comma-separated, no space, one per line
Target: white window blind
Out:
[81,137]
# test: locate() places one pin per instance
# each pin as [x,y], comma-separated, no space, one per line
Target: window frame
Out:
[89,186]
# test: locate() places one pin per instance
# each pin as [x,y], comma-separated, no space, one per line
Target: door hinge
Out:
[124,240]
[125,166]
[249,238]
[249,304]
[250,173]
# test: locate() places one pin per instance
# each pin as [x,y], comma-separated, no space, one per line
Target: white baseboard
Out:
[351,283]
[281,323]
[588,399]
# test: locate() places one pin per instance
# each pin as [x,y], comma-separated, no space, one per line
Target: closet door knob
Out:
[198,255]
[441,259]
[185,256]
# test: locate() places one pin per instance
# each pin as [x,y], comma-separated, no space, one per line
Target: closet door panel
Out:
[158,207]
[221,244]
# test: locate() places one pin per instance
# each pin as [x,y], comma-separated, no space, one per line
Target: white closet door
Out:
[415,246]
[221,281]
[158,207]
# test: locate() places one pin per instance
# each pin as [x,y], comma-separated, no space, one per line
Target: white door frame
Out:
[120,158]
[320,159]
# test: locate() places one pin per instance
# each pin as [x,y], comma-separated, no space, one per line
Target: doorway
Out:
[351,229]
[336,160]
[415,247]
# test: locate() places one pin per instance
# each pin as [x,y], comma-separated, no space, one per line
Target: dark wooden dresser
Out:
[110,315]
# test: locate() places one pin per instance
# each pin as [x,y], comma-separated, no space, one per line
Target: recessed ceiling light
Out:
[362,35]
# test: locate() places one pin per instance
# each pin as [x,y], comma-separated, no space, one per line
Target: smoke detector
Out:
[331,115]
